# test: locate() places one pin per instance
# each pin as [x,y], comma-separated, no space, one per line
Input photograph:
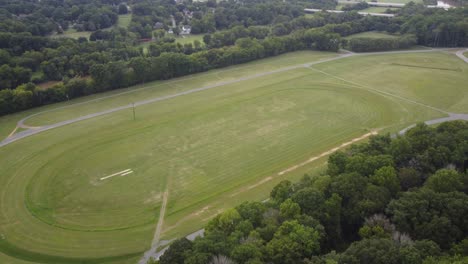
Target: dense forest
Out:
[235,32]
[390,200]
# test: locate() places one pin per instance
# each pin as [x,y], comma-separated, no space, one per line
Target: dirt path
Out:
[152,252]
[451,117]
[326,153]
[299,165]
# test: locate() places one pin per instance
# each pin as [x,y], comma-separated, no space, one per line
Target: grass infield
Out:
[210,150]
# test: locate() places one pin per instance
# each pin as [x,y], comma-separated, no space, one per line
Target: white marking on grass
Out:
[127,173]
[116,174]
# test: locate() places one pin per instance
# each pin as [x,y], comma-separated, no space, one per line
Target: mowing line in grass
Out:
[381,92]
[426,67]
[302,164]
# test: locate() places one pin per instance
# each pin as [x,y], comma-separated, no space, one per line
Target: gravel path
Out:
[153,251]
[451,117]
[461,56]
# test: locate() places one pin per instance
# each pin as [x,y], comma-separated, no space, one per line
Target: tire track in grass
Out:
[152,252]
[157,233]
[312,159]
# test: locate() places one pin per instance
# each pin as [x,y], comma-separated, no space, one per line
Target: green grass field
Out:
[210,150]
[124,20]
[72,33]
[372,9]
[371,34]
[377,9]
[180,39]
[399,1]
[190,39]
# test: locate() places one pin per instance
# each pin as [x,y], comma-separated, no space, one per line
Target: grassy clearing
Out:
[377,9]
[400,1]
[189,39]
[339,6]
[211,150]
[371,34]
[47,85]
[72,33]
[124,20]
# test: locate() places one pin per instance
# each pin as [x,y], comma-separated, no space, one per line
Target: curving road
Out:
[461,56]
[35,130]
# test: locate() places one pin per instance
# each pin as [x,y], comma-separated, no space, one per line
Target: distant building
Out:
[186,30]
[158,25]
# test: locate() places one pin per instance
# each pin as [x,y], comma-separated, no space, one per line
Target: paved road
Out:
[382,4]
[461,56]
[152,253]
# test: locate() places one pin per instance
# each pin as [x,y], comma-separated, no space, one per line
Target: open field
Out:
[124,20]
[399,1]
[371,34]
[372,9]
[377,9]
[72,33]
[180,39]
[62,203]
[190,39]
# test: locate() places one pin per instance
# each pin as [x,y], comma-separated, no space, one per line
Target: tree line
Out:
[388,201]
[41,18]
[25,57]
[138,69]
[363,44]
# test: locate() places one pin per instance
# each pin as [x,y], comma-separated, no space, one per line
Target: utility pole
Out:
[133,104]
